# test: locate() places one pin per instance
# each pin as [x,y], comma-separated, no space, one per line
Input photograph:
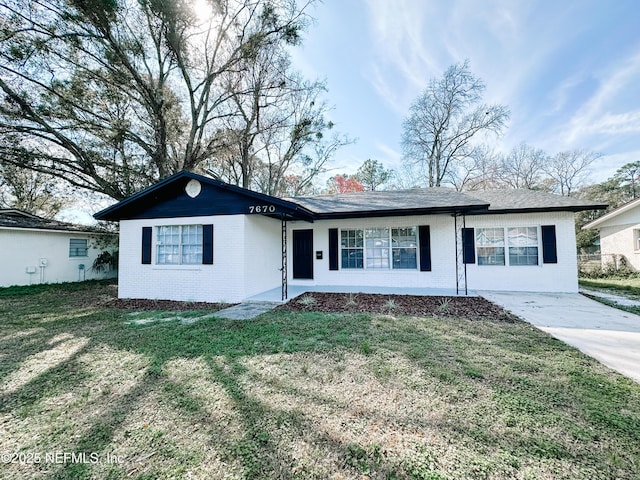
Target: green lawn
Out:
[629,286]
[298,396]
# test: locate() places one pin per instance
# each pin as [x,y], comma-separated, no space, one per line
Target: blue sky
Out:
[568,70]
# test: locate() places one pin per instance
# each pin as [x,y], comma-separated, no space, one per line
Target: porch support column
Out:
[459,223]
[284,259]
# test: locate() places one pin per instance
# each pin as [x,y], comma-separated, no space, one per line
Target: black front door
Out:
[303,254]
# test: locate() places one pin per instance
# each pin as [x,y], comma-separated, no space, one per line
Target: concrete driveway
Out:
[607,334]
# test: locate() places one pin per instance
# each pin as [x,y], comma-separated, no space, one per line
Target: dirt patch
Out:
[468,307]
[142,304]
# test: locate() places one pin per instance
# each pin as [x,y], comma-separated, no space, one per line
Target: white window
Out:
[636,239]
[179,245]
[404,242]
[379,248]
[490,246]
[523,245]
[78,247]
[377,243]
[352,242]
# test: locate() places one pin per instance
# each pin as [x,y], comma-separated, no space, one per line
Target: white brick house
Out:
[620,233]
[194,238]
[38,250]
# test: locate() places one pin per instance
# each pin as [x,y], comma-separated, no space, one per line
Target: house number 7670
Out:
[262,208]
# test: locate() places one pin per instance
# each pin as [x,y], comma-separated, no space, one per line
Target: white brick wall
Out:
[560,277]
[222,281]
[22,248]
[247,258]
[617,237]
[263,254]
[442,274]
[619,240]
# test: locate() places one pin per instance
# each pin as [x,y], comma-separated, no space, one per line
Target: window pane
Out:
[404,258]
[351,242]
[179,244]
[523,236]
[352,258]
[78,247]
[168,254]
[404,243]
[191,244]
[523,245]
[377,251]
[490,246]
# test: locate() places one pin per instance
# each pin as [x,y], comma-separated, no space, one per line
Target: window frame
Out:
[179,247]
[85,248]
[529,246]
[368,245]
[506,246]
[481,245]
[352,248]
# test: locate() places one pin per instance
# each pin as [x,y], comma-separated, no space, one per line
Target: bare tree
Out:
[569,169]
[444,120]
[523,167]
[478,171]
[111,96]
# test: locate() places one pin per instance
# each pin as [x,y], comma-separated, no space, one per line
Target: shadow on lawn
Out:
[458,368]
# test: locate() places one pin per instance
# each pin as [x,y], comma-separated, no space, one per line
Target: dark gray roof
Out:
[13,218]
[439,200]
[418,200]
[532,200]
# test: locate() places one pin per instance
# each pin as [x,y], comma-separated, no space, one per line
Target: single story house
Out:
[194,238]
[39,250]
[620,233]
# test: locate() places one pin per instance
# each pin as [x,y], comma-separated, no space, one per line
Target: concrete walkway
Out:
[612,297]
[247,310]
[607,334]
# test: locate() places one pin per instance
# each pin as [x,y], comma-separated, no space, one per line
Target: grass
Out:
[306,395]
[623,285]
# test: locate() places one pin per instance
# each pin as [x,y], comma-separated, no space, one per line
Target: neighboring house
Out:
[620,233]
[37,250]
[194,238]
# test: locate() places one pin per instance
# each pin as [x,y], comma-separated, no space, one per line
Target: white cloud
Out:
[596,117]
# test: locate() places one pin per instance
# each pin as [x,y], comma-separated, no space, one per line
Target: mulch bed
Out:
[467,307]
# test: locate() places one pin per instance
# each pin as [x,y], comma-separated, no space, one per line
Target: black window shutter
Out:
[207,244]
[424,239]
[468,246]
[549,245]
[146,245]
[333,249]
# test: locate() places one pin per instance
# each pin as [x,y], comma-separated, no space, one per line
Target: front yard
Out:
[298,395]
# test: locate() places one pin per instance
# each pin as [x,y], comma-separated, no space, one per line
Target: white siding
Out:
[443,267]
[23,248]
[548,277]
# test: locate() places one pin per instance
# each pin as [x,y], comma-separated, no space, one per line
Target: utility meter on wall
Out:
[44,262]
